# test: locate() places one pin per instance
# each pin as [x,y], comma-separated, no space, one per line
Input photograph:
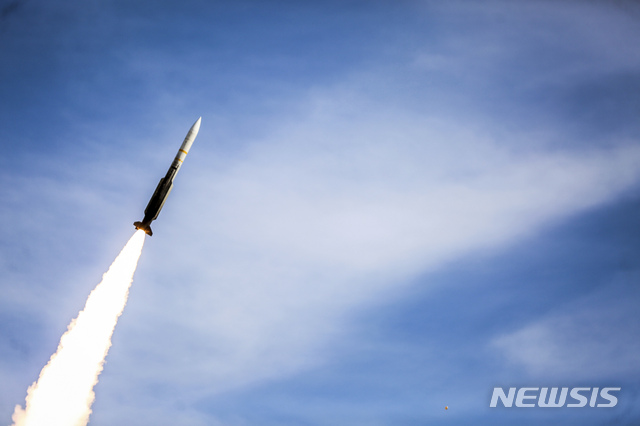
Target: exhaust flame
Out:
[63,394]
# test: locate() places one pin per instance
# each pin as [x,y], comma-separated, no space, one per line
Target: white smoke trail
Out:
[63,394]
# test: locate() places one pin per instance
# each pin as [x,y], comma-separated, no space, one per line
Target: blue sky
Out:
[391,207]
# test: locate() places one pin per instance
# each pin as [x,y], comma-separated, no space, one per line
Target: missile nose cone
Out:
[196,126]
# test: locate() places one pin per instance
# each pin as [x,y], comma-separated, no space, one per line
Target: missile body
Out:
[166,183]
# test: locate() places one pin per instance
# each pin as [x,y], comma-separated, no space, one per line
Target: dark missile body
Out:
[163,189]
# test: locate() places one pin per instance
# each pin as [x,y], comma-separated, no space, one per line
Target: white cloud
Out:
[595,337]
[259,261]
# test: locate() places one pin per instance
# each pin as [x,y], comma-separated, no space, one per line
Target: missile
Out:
[166,183]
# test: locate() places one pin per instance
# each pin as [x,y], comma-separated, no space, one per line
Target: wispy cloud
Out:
[593,338]
[328,214]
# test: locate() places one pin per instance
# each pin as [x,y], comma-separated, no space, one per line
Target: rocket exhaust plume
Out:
[63,394]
